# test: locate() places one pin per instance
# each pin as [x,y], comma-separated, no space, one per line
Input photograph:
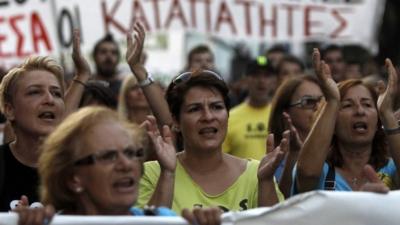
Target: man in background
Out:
[248,121]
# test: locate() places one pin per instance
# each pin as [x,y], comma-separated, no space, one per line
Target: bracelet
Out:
[79,82]
[392,131]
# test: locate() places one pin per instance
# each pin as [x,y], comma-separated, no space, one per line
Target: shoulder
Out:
[151,169]
[239,109]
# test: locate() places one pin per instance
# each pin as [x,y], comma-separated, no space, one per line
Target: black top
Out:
[17,179]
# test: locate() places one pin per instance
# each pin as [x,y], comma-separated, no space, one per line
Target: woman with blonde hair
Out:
[32,99]
[132,103]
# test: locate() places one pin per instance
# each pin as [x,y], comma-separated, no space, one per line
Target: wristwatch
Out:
[146,82]
[392,131]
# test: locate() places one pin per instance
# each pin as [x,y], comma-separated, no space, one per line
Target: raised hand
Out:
[81,65]
[295,141]
[163,144]
[386,98]
[271,161]
[135,48]
[323,72]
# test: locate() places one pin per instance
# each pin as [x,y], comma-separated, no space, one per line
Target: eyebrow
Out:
[352,100]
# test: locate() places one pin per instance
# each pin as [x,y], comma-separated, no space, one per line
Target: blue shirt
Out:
[159,211]
[386,174]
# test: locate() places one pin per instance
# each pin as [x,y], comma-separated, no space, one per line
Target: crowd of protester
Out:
[112,144]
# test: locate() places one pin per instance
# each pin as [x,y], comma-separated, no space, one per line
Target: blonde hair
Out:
[128,82]
[63,147]
[8,84]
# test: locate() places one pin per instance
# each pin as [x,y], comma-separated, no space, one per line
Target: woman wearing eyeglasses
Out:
[293,108]
[85,172]
[348,135]
[202,175]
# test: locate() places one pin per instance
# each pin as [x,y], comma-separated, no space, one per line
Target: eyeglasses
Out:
[184,77]
[307,102]
[110,156]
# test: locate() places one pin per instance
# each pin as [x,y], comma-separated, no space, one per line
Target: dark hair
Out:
[276,48]
[176,93]
[107,38]
[97,90]
[280,103]
[330,48]
[290,59]
[197,50]
[260,65]
[379,155]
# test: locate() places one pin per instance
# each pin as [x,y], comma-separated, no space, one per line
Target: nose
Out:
[49,98]
[207,114]
[124,163]
[360,110]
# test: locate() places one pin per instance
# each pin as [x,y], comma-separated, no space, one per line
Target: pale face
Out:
[37,103]
[203,119]
[203,60]
[135,98]
[109,187]
[357,118]
[302,117]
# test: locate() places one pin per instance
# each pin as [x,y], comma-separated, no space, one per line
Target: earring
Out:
[78,189]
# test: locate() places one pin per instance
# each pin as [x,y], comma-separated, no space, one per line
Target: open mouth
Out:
[47,116]
[125,184]
[208,131]
[360,127]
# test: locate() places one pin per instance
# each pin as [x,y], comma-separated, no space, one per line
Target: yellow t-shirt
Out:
[241,195]
[247,131]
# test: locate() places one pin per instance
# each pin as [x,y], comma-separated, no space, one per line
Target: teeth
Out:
[360,125]
[124,183]
[208,130]
[47,115]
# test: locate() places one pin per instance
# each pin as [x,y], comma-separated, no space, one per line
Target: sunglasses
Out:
[107,157]
[307,102]
[184,77]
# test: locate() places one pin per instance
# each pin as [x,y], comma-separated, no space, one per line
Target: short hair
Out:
[98,90]
[176,93]
[330,48]
[128,82]
[9,82]
[290,59]
[379,155]
[107,38]
[62,148]
[197,50]
[281,102]
[276,48]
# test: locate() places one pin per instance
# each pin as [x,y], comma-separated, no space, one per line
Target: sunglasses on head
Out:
[307,102]
[184,77]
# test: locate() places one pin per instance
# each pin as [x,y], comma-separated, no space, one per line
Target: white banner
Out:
[313,208]
[43,26]
[26,28]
